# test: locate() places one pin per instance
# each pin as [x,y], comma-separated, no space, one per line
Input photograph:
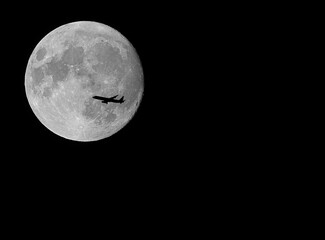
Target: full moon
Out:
[75,66]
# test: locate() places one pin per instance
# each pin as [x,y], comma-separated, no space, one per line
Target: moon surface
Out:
[76,62]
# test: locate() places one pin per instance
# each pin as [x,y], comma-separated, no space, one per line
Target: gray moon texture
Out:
[81,60]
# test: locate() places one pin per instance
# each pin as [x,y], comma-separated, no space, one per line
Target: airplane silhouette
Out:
[111,99]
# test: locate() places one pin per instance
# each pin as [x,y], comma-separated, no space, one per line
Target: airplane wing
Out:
[113,97]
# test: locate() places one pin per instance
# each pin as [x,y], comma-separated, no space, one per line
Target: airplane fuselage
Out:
[111,99]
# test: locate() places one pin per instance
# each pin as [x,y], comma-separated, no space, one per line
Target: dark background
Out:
[157,151]
[162,37]
[157,166]
[149,162]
